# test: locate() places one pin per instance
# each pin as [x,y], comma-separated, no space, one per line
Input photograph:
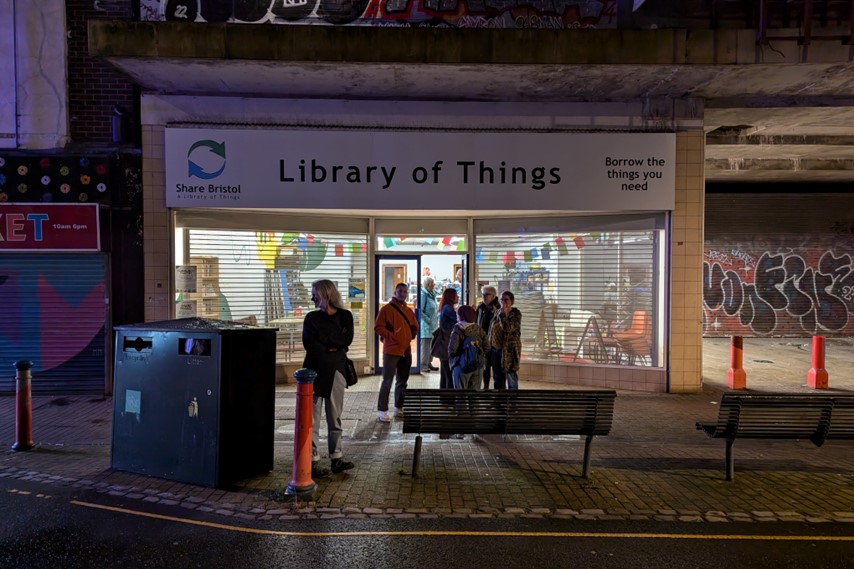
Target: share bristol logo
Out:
[204,157]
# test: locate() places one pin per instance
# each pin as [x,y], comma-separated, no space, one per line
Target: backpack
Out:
[469,360]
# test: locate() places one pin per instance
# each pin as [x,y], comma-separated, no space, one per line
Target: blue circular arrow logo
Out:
[217,148]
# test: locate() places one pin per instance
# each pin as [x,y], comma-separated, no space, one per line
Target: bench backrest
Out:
[816,417]
[527,411]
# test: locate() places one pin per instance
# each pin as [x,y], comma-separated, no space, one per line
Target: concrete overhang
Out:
[797,100]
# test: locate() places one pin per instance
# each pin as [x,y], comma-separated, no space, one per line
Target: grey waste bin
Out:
[194,400]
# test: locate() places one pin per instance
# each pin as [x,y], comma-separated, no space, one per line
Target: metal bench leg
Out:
[730,463]
[586,465]
[416,457]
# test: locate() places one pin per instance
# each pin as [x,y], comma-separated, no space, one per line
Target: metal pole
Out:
[302,486]
[736,378]
[24,406]
[817,375]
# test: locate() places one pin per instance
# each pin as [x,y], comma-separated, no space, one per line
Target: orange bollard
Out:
[24,406]
[736,378]
[817,375]
[302,486]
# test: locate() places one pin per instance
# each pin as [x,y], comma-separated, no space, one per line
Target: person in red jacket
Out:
[396,326]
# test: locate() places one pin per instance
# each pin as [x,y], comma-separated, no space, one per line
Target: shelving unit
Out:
[207,286]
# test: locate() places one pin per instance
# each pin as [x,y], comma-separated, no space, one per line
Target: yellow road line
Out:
[448,533]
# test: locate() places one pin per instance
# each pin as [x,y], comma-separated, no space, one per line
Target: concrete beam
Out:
[422,45]
[781,164]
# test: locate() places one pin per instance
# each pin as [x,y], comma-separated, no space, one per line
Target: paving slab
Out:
[654,464]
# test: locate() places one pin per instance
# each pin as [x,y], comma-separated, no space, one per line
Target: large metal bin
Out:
[194,400]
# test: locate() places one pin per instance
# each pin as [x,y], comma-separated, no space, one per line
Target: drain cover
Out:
[763,361]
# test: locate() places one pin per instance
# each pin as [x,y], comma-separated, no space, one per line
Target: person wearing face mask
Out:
[506,339]
[326,335]
[396,326]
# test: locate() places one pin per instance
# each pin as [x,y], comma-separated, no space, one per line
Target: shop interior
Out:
[590,297]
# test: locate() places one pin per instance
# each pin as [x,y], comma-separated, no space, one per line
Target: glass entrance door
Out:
[390,271]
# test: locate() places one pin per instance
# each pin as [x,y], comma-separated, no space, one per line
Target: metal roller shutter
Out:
[778,265]
[563,278]
[54,314]
[266,276]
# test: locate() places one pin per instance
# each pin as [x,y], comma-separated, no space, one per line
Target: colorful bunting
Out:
[478,254]
[528,255]
[579,242]
[302,243]
[339,250]
[535,254]
[546,253]
[388,242]
[461,246]
[561,245]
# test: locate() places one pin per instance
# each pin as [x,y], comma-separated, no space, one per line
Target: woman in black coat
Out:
[327,334]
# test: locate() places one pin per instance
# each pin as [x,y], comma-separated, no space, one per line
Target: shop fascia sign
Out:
[37,228]
[391,170]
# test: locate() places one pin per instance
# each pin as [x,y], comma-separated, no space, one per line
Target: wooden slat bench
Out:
[518,412]
[815,417]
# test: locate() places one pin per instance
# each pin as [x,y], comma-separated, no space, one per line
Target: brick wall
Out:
[94,86]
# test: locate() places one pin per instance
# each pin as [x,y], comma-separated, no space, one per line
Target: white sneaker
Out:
[398,413]
[382,417]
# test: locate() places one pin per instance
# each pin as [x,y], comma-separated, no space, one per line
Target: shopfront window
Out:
[585,297]
[265,277]
[421,244]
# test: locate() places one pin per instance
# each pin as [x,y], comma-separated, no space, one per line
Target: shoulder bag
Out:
[412,329]
[352,377]
[439,343]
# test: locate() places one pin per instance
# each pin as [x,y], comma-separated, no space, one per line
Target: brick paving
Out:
[653,466]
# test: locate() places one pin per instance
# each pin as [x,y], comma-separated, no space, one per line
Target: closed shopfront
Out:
[778,265]
[54,290]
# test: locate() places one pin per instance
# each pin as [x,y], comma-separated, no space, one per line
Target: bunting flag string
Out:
[545,252]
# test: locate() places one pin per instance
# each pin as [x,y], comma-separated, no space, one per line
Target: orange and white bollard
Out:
[302,486]
[736,378]
[817,375]
[24,406]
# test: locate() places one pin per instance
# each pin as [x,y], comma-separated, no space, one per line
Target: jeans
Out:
[467,381]
[503,379]
[394,365]
[334,405]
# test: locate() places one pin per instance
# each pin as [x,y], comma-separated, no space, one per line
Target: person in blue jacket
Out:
[429,322]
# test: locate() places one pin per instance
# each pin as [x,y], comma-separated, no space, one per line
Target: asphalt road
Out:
[46,526]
